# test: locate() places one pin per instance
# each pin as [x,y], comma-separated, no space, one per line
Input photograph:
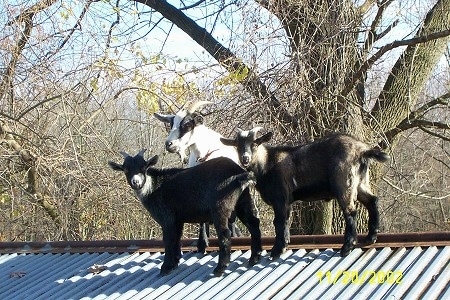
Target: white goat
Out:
[188,132]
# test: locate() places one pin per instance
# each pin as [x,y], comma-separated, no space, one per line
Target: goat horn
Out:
[124,154]
[141,152]
[254,131]
[194,106]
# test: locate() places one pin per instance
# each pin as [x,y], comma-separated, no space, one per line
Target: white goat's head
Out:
[182,125]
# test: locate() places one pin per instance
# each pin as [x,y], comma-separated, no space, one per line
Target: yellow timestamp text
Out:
[360,277]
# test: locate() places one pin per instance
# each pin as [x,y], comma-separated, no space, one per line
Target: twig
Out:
[351,83]
[422,195]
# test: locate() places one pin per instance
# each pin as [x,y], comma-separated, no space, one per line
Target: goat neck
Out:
[155,177]
[146,189]
[259,161]
[205,145]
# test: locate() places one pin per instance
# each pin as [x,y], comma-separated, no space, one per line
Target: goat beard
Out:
[183,155]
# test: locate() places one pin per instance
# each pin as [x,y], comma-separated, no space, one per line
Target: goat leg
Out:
[371,204]
[203,233]
[350,238]
[248,214]
[172,244]
[224,236]
[374,221]
[281,238]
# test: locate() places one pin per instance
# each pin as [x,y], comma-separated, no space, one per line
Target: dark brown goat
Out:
[335,167]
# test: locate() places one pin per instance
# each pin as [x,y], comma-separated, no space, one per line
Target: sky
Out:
[259,41]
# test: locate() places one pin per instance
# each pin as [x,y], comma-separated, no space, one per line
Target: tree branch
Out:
[372,36]
[412,121]
[415,194]
[438,125]
[28,13]
[353,79]
[26,18]
[222,54]
[71,32]
[29,160]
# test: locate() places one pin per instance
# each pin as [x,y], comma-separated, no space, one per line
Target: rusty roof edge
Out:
[410,239]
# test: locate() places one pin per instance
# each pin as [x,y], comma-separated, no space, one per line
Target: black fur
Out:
[187,124]
[320,170]
[209,192]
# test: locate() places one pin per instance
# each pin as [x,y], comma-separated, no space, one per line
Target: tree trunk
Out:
[412,70]
[323,43]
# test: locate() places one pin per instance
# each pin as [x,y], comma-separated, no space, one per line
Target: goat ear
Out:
[152,161]
[264,139]
[229,142]
[164,118]
[115,166]
[124,154]
[198,119]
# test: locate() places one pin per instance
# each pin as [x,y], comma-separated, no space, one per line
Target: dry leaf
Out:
[18,274]
[95,269]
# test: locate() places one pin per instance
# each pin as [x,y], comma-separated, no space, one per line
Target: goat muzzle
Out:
[171,147]
[136,182]
[245,160]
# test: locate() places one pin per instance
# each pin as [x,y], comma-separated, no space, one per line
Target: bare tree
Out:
[330,66]
[58,126]
[79,80]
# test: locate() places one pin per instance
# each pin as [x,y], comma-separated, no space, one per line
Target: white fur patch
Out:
[136,180]
[146,189]
[244,133]
[205,142]
[261,156]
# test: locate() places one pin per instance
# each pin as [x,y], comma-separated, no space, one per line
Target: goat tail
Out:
[377,154]
[246,179]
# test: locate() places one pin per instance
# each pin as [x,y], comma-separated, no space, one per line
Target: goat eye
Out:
[186,125]
[185,128]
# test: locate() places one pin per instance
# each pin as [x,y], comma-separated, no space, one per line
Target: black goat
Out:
[188,131]
[208,192]
[333,167]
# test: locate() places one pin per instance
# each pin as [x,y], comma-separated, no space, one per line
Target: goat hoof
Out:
[276,253]
[254,259]
[219,270]
[370,239]
[346,249]
[166,270]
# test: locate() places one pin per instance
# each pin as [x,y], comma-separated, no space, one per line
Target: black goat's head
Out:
[181,126]
[247,144]
[135,168]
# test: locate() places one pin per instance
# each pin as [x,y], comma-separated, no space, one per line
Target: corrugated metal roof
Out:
[413,270]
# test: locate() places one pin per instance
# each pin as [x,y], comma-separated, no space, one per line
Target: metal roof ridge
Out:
[409,239]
